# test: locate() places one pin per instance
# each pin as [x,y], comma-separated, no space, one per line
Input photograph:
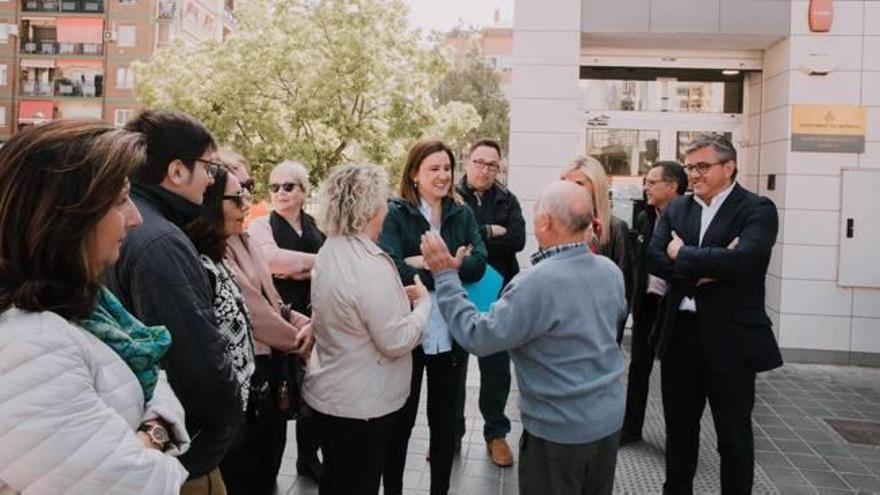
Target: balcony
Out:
[66,6]
[56,48]
[39,89]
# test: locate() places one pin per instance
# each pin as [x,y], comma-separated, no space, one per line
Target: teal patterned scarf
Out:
[138,345]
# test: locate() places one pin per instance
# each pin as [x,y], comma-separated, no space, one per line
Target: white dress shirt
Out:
[706,216]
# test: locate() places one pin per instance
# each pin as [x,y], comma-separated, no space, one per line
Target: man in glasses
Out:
[664,182]
[503,230]
[713,249]
[160,279]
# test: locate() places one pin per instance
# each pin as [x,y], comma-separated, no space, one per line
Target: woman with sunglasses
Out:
[221,217]
[290,238]
[282,342]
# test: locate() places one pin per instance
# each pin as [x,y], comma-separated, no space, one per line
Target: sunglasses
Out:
[249,185]
[287,186]
[237,199]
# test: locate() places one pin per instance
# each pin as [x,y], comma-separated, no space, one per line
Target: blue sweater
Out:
[559,322]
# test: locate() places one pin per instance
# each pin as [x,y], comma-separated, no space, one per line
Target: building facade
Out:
[72,58]
[798,92]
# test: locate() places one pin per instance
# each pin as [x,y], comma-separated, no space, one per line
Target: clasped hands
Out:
[675,245]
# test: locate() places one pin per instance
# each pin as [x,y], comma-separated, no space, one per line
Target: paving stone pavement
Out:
[796,451]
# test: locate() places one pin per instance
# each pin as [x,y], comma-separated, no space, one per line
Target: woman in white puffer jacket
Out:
[84,407]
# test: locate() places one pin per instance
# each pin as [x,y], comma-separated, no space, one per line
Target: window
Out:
[3,75]
[2,116]
[127,36]
[124,78]
[128,2]
[122,116]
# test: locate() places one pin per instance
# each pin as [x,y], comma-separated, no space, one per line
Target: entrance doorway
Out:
[638,116]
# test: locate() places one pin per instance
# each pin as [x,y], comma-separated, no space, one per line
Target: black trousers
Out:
[443,378]
[252,463]
[494,390]
[550,468]
[687,383]
[640,365]
[354,453]
[307,440]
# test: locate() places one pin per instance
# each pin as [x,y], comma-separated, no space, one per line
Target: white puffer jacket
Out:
[69,409]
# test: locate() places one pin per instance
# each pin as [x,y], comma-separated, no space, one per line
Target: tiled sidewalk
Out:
[796,451]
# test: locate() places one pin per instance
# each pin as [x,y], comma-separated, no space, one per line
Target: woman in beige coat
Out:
[364,327]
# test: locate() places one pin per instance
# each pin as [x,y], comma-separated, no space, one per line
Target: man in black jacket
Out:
[664,182]
[713,248]
[503,230]
[160,280]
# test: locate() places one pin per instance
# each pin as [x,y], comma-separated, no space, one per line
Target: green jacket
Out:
[403,229]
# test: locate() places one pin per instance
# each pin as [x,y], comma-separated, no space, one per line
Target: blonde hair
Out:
[595,173]
[296,169]
[349,198]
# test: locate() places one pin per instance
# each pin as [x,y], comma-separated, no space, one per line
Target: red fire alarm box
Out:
[821,13]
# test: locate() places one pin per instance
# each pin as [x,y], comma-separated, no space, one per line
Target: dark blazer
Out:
[498,206]
[735,331]
[402,232]
[643,228]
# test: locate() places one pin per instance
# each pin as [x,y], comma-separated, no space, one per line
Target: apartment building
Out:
[72,58]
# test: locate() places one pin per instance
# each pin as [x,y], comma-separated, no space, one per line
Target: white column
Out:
[545,117]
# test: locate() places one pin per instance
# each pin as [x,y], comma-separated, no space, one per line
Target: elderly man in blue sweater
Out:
[559,322]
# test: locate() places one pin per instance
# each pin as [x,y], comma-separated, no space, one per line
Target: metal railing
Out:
[72,6]
[56,48]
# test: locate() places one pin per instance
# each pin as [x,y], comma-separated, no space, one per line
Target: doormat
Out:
[860,432]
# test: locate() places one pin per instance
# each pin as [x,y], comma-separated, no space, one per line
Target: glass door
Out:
[628,143]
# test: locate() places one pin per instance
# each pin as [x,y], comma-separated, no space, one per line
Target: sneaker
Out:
[500,452]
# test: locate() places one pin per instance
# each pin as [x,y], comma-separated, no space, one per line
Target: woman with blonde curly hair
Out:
[610,234]
[359,373]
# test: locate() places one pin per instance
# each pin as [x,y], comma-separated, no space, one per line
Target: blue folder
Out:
[485,291]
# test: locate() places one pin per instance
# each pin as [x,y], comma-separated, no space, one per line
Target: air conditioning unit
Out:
[110,36]
[12,29]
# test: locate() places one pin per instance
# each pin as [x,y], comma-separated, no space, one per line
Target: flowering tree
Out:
[321,81]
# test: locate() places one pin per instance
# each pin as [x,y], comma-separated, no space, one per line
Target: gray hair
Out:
[571,208]
[349,198]
[296,169]
[722,146]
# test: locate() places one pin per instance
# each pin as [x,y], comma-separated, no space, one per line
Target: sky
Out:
[444,15]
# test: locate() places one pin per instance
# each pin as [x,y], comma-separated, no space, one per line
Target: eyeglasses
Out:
[238,199]
[211,167]
[701,167]
[484,165]
[287,186]
[652,183]
[249,185]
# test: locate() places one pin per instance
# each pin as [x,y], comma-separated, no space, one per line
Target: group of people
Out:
[151,342]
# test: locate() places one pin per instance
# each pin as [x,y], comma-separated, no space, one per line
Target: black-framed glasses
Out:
[287,186]
[238,199]
[701,167]
[249,185]
[484,165]
[211,166]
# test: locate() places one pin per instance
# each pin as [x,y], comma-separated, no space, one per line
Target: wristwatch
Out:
[158,434]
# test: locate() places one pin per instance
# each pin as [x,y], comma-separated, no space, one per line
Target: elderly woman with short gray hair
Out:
[289,239]
[365,330]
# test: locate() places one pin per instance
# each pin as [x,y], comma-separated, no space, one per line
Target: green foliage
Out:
[473,81]
[324,82]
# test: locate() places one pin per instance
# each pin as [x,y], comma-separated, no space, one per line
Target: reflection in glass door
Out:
[626,154]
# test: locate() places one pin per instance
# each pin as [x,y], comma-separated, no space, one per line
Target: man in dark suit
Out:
[713,249]
[664,182]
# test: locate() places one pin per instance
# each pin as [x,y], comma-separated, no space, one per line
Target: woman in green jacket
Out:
[428,202]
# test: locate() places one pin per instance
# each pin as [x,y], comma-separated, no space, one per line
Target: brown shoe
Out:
[500,452]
